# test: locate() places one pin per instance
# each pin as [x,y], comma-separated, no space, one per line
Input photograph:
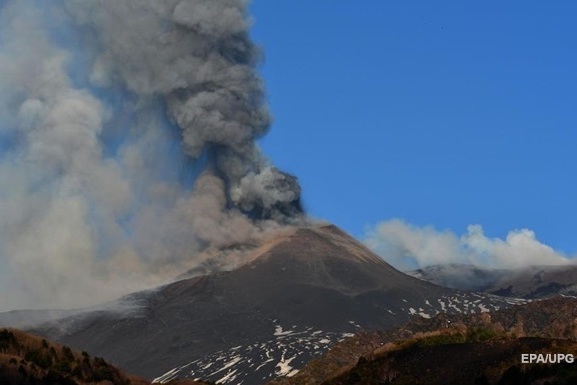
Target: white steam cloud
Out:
[127,145]
[409,247]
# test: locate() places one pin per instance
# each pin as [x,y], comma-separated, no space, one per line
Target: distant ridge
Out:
[532,282]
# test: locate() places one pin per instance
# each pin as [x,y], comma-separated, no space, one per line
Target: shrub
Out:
[102,374]
[22,371]
[442,339]
[476,334]
[53,377]
[7,339]
[67,352]
[62,366]
[39,358]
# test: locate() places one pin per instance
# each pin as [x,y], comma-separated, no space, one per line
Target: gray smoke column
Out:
[197,56]
[128,146]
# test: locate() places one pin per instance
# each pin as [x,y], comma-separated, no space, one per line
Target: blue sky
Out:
[438,113]
[436,132]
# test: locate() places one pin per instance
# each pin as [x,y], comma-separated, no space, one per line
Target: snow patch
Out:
[279,332]
[283,366]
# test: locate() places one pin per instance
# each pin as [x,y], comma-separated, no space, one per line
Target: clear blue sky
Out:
[443,113]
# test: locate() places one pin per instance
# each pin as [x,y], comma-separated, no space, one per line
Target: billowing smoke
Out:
[127,145]
[408,247]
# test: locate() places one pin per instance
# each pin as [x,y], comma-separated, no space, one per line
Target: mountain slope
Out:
[298,295]
[547,320]
[433,361]
[531,282]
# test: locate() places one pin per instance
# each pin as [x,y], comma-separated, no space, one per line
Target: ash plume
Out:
[409,247]
[128,145]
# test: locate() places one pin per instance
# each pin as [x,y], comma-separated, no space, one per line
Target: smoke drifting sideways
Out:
[128,146]
[408,247]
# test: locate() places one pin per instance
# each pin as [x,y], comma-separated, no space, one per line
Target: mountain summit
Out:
[299,293]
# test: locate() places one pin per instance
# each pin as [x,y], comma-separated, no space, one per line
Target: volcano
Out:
[297,295]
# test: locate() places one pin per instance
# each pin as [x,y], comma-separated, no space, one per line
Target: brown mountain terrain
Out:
[445,344]
[26,359]
[459,359]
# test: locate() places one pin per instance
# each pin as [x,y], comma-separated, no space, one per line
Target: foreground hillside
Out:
[474,357]
[488,344]
[26,359]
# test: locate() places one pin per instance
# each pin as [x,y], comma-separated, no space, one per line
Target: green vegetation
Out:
[39,357]
[441,339]
[473,334]
[479,334]
[7,340]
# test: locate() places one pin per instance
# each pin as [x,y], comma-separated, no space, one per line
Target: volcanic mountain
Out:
[532,282]
[297,295]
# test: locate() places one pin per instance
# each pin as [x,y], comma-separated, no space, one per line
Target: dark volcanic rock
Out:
[300,294]
[532,282]
[461,276]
